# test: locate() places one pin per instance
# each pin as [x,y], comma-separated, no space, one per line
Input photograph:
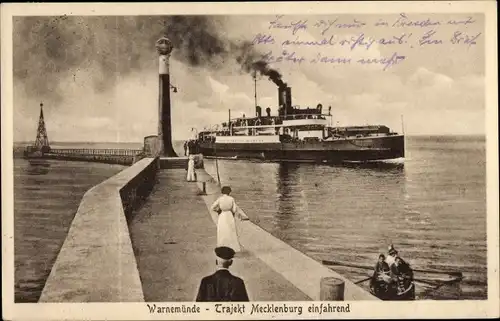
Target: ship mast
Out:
[255,86]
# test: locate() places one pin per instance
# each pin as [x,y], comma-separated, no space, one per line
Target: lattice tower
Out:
[41,135]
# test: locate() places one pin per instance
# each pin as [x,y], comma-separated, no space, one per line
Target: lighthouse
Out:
[164,48]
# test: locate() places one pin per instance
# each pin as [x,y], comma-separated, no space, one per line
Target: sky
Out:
[98,76]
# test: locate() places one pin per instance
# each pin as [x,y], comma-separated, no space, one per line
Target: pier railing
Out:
[102,155]
[95,151]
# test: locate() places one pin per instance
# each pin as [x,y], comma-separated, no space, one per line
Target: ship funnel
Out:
[288,99]
[282,96]
[285,99]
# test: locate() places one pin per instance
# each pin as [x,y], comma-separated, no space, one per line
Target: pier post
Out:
[164,47]
[332,289]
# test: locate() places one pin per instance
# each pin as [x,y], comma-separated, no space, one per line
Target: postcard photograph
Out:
[242,162]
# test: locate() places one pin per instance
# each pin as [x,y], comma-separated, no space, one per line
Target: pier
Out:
[109,156]
[147,235]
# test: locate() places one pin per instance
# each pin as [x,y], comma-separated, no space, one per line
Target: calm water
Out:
[46,197]
[433,209]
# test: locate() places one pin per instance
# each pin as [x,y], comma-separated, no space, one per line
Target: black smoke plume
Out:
[47,50]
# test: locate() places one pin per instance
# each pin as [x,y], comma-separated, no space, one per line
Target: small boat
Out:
[400,289]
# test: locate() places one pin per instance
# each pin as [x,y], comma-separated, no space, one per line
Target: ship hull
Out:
[341,150]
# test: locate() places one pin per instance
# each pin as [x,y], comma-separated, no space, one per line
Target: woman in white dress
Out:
[190,173]
[226,207]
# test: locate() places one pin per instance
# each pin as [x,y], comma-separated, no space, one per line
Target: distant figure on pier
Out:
[226,207]
[188,147]
[196,147]
[191,174]
[222,285]
[185,148]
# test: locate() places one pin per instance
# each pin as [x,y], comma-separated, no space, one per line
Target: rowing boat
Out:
[401,289]
[392,289]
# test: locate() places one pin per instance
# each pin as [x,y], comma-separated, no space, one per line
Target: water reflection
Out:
[381,166]
[286,180]
[37,167]
[323,202]
[432,208]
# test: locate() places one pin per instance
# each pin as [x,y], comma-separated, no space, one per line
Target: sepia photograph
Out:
[247,162]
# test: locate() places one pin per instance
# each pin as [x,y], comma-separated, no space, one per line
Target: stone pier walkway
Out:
[174,237]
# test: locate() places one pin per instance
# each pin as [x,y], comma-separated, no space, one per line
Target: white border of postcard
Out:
[138,311]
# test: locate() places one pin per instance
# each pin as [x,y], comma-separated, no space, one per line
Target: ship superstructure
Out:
[299,134]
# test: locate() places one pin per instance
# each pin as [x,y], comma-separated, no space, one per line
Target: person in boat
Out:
[402,275]
[391,258]
[381,276]
[381,268]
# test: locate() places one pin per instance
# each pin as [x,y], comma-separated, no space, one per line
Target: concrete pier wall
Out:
[96,262]
[299,269]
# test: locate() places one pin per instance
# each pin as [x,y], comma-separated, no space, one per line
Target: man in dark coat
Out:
[222,285]
[380,280]
[402,274]
[382,269]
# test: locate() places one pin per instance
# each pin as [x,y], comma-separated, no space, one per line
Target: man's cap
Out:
[224,252]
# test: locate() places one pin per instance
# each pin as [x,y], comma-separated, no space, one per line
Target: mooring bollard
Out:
[332,289]
[204,191]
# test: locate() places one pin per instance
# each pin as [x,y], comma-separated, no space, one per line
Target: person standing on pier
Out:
[191,175]
[222,285]
[226,207]
[185,148]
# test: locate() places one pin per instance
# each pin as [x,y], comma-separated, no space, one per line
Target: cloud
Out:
[217,87]
[431,103]
[98,87]
[425,78]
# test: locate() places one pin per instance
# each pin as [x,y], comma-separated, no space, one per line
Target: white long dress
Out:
[190,172]
[226,227]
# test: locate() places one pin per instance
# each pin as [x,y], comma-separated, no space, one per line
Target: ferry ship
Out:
[299,135]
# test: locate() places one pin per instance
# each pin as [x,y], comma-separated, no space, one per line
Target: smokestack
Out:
[288,100]
[164,47]
[282,96]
